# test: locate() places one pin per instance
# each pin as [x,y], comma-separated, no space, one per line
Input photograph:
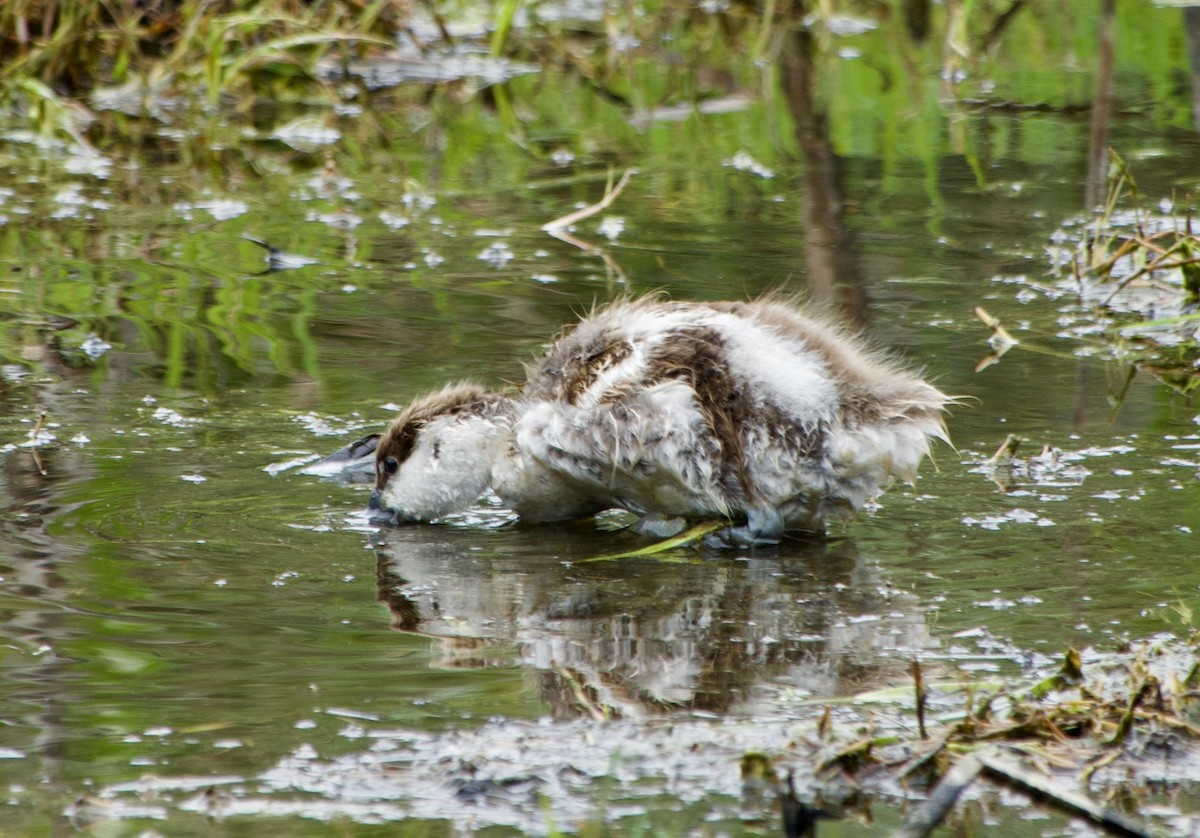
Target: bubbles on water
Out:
[94,347]
[343,219]
[417,199]
[274,469]
[174,418]
[996,603]
[327,183]
[742,161]
[1012,516]
[86,161]
[844,25]
[282,579]
[13,372]
[306,134]
[497,254]
[222,209]
[393,220]
[71,202]
[319,425]
[611,227]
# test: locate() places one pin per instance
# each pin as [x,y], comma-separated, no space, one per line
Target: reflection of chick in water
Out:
[639,635]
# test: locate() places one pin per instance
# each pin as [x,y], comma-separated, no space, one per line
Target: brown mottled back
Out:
[696,355]
[574,363]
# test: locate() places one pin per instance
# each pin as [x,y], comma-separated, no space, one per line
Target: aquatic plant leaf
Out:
[270,50]
[1070,675]
[686,537]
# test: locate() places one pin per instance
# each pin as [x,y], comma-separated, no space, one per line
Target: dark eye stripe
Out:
[396,449]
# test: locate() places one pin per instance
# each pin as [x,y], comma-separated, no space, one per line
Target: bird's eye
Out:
[391,465]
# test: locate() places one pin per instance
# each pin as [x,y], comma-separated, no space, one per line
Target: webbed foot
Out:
[658,526]
[764,527]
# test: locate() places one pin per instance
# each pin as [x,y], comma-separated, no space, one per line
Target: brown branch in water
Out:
[850,758]
[1148,687]
[1000,341]
[926,817]
[1008,106]
[597,711]
[1095,765]
[563,236]
[921,696]
[558,227]
[1001,23]
[825,725]
[1126,246]
[1168,720]
[929,761]
[33,435]
[1152,266]
[439,21]
[588,211]
[1060,795]
[1007,449]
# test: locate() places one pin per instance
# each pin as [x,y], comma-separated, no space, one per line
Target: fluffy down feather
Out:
[673,409]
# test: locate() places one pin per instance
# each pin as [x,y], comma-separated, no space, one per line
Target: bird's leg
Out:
[653,525]
[763,528]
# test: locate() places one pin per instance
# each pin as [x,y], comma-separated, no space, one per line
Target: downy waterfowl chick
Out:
[673,410]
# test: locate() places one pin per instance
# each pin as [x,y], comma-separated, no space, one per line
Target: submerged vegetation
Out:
[1135,273]
[50,48]
[308,99]
[1134,261]
[1072,737]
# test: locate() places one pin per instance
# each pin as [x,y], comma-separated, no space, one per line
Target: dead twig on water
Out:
[610,195]
[595,709]
[1149,687]
[559,226]
[1184,246]
[33,441]
[799,820]
[921,696]
[1007,450]
[1000,341]
[563,236]
[1059,731]
[926,817]
[1061,796]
